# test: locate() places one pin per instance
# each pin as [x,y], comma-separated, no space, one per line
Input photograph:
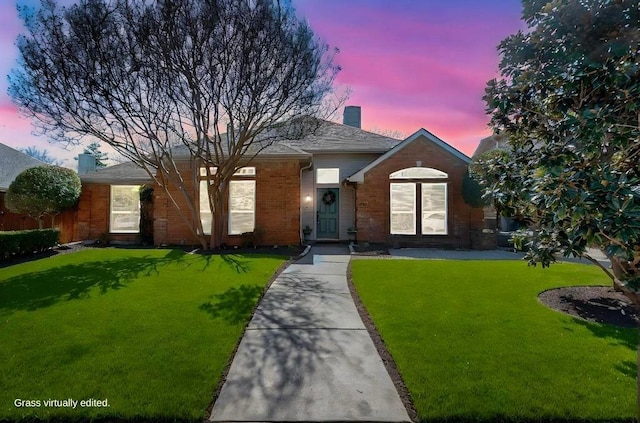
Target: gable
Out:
[420,135]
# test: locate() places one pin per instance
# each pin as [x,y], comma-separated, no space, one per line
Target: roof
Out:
[324,137]
[321,136]
[13,163]
[338,138]
[129,173]
[359,175]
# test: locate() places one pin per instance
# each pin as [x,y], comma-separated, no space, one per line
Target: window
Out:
[242,200]
[242,219]
[205,211]
[434,209]
[403,209]
[407,197]
[243,171]
[124,210]
[418,173]
[328,176]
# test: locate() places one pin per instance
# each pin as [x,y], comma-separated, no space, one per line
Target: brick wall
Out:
[93,215]
[278,202]
[277,208]
[372,199]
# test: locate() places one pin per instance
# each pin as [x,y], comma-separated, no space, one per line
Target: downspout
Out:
[300,233]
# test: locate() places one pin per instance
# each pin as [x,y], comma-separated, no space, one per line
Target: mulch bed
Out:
[599,304]
[366,249]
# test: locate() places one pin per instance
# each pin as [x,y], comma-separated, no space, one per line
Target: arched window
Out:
[418,173]
[409,197]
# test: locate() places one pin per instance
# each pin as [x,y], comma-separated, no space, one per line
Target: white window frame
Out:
[243,171]
[393,230]
[230,229]
[418,173]
[327,175]
[423,211]
[113,211]
[206,215]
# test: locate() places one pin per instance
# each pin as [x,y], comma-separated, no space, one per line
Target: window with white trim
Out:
[409,197]
[206,216]
[239,217]
[328,175]
[124,209]
[434,208]
[418,173]
[403,209]
[242,207]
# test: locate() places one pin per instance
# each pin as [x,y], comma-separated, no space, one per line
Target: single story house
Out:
[339,183]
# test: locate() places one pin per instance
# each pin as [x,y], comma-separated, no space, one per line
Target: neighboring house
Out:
[338,179]
[12,163]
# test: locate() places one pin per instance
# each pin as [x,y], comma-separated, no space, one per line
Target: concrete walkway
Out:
[306,355]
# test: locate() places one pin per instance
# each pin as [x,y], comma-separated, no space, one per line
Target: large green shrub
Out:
[26,242]
[43,190]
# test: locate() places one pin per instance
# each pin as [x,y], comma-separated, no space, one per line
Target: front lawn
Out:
[150,331]
[472,342]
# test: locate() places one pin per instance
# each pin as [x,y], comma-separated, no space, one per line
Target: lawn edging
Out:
[381,347]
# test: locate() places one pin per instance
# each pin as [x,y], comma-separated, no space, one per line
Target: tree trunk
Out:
[219,215]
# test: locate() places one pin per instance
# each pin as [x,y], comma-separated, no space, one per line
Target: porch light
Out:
[308,199]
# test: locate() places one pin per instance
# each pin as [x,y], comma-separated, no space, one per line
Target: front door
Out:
[327,213]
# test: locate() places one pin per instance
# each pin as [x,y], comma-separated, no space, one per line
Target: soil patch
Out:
[599,304]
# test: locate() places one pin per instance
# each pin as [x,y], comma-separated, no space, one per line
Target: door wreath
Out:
[329,198]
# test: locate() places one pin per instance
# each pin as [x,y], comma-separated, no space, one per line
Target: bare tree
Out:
[216,81]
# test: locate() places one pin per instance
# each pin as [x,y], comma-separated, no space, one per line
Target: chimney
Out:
[352,116]
[86,163]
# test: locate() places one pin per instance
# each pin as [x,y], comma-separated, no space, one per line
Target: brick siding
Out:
[372,199]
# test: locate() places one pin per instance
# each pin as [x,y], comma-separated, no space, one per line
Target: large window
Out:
[403,209]
[242,207]
[124,214]
[407,197]
[241,202]
[205,210]
[434,209]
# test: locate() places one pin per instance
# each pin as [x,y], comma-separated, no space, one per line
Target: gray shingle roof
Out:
[326,137]
[12,163]
[334,137]
[124,173]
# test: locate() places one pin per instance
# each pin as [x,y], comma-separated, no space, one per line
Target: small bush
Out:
[14,243]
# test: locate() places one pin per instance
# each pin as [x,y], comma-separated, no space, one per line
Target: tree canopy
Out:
[164,81]
[569,100]
[42,190]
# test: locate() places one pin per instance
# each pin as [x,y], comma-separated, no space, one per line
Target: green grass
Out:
[472,342]
[151,331]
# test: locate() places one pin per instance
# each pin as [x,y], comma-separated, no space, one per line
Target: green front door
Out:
[327,213]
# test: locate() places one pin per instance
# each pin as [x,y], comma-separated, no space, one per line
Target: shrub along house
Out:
[339,182]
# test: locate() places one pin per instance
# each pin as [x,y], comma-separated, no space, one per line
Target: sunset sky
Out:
[409,64]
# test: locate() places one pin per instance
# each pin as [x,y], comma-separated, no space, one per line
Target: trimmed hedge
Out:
[27,242]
